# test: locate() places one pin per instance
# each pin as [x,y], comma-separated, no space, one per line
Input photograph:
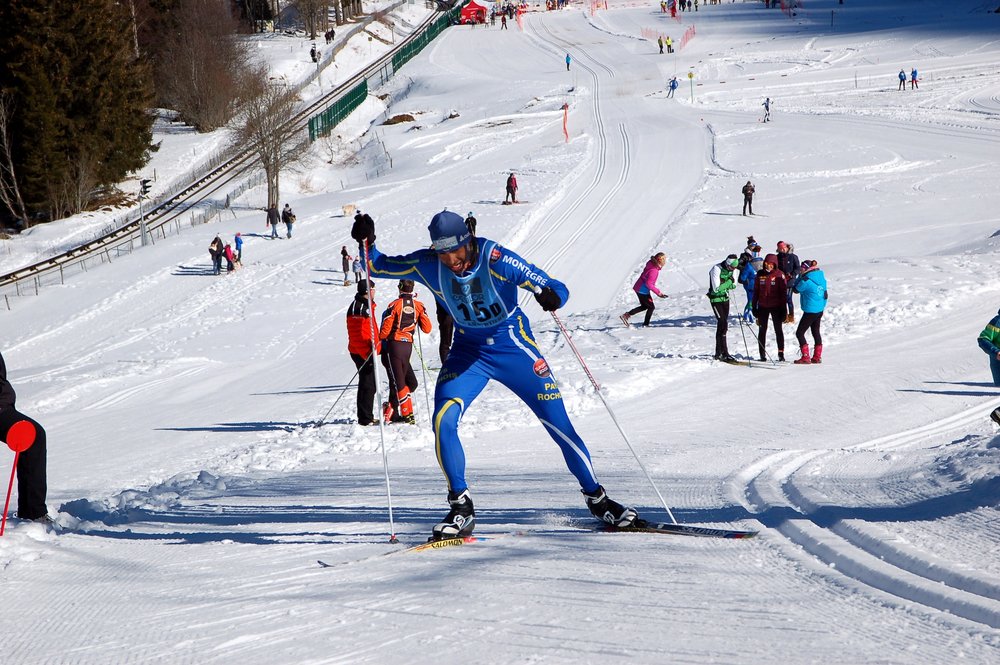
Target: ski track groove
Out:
[863,552]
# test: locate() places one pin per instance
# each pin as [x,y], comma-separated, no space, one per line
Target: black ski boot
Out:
[610,511]
[460,521]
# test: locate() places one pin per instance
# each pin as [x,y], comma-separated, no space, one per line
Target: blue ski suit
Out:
[492,341]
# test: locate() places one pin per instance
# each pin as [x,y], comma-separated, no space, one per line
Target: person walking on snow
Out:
[767,109]
[769,303]
[811,287]
[399,321]
[288,217]
[748,192]
[356,267]
[644,287]
[671,86]
[17,431]
[659,42]
[272,219]
[902,80]
[359,346]
[478,281]
[568,59]
[720,283]
[511,189]
[913,79]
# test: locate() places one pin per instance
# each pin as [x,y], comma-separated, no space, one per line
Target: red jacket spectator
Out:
[770,287]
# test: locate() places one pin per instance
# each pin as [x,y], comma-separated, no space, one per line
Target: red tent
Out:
[473,13]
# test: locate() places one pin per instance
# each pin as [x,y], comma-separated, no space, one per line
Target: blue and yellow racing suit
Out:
[492,341]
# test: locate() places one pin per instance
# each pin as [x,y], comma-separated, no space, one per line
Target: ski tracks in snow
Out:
[857,542]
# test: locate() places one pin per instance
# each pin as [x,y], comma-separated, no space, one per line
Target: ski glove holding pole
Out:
[363,229]
[548,299]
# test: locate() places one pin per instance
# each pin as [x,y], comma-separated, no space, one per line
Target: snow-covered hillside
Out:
[196,492]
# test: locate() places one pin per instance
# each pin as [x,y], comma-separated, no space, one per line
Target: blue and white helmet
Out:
[448,232]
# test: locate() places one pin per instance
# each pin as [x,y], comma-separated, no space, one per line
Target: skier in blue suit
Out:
[478,282]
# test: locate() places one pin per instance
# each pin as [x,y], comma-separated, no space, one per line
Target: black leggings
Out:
[810,321]
[31,477]
[645,303]
[777,315]
[402,380]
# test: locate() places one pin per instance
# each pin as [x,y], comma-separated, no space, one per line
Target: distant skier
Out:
[644,287]
[767,109]
[913,79]
[811,287]
[470,222]
[511,189]
[902,80]
[748,192]
[478,281]
[720,283]
[568,60]
[671,86]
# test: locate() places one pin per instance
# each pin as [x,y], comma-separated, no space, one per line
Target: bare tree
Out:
[10,194]
[264,126]
[314,15]
[202,63]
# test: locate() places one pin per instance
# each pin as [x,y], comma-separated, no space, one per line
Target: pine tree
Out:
[80,120]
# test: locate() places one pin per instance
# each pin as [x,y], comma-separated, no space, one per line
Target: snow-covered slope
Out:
[197,493]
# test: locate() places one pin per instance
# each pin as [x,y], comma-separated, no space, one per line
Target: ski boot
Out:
[460,521]
[609,511]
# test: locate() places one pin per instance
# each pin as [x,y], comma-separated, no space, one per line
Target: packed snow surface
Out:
[196,492]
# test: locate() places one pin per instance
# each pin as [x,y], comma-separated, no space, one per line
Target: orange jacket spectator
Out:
[359,323]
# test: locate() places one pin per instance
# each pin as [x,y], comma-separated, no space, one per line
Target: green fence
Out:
[323,123]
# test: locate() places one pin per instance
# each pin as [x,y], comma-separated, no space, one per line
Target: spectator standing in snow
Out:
[18,430]
[399,323]
[811,287]
[645,287]
[239,248]
[769,303]
[215,251]
[568,60]
[288,217]
[345,264]
[671,86]
[470,223]
[478,281]
[902,80]
[720,283]
[659,42]
[767,109]
[230,258]
[272,219]
[503,21]
[913,79]
[748,192]
[989,341]
[670,44]
[511,189]
[750,263]
[788,263]
[356,266]
[359,345]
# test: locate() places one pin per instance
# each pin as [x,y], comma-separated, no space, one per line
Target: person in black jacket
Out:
[748,192]
[788,263]
[31,475]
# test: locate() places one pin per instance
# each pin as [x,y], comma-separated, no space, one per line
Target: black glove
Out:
[363,229]
[548,299]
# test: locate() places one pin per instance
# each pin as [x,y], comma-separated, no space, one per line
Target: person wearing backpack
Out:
[811,287]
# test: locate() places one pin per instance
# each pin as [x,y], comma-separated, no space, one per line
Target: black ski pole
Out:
[348,385]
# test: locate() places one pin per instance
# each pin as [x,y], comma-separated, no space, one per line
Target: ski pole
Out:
[600,393]
[423,373]
[378,393]
[743,331]
[348,385]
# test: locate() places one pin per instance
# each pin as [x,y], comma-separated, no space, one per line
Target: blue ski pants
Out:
[511,357]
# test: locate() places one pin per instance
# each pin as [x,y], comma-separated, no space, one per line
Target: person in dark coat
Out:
[288,217]
[18,430]
[361,330]
[748,191]
[770,290]
[215,250]
[511,189]
[788,263]
[272,219]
